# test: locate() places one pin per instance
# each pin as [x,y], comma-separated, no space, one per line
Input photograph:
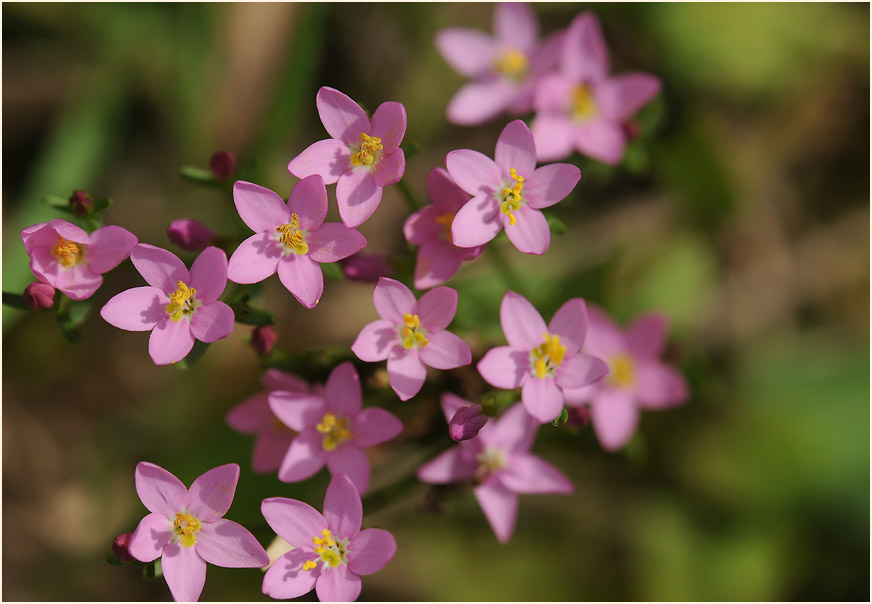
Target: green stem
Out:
[410,198]
[510,277]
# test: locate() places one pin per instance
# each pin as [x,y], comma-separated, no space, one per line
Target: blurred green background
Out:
[743,213]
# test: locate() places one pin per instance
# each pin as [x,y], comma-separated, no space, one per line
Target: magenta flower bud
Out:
[367,268]
[81,202]
[120,546]
[466,422]
[190,234]
[222,164]
[578,416]
[39,295]
[263,338]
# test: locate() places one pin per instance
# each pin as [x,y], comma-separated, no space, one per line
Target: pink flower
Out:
[411,334]
[367,268]
[580,106]
[466,423]
[254,416]
[177,306]
[334,429]
[290,239]
[638,379]
[186,528]
[72,261]
[430,229]
[541,360]
[362,156]
[190,234]
[39,295]
[498,460]
[504,68]
[508,192]
[330,551]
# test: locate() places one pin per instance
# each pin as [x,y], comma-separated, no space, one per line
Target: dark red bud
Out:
[466,423]
[222,164]
[263,338]
[121,548]
[81,203]
[578,416]
[39,295]
[366,267]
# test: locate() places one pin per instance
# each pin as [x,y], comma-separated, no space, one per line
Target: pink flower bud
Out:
[222,164]
[190,234]
[39,295]
[263,338]
[81,203]
[120,546]
[466,423]
[366,267]
[578,416]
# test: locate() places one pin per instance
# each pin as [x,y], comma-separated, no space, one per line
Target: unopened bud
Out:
[190,234]
[466,423]
[39,295]
[263,338]
[578,416]
[81,203]
[631,130]
[366,267]
[121,548]
[222,164]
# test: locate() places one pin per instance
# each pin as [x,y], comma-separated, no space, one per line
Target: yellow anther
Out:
[583,105]
[309,564]
[335,431]
[370,151]
[67,252]
[293,237]
[548,356]
[512,63]
[512,197]
[446,220]
[182,302]
[623,371]
[186,527]
[331,550]
[412,334]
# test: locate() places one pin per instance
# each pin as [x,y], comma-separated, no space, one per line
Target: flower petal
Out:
[445,350]
[522,324]
[260,208]
[620,97]
[255,259]
[406,373]
[659,386]
[209,274]
[542,399]
[469,52]
[514,431]
[390,168]
[270,447]
[528,474]
[646,337]
[152,535]
[474,172]
[303,278]
[601,140]
[553,135]
[250,415]
[370,550]
[373,426]
[342,508]
[500,507]
[357,196]
[478,102]
[421,227]
[375,341]
[516,149]
[276,379]
[329,158]
[185,572]
[515,25]
[333,242]
[159,268]
[170,341]
[580,370]
[604,338]
[451,404]
[304,458]
[338,585]
[212,322]
[308,201]
[392,300]
[614,417]
[294,521]
[298,410]
[110,246]
[137,309]
[389,124]
[286,578]
[454,465]
[212,492]
[160,492]
[504,367]
[342,118]
[78,282]
[570,323]
[530,233]
[477,222]
[585,55]
[350,460]
[437,262]
[231,545]
[437,308]
[342,390]
[550,184]
[444,192]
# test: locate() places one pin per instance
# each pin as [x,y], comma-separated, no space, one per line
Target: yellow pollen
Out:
[335,431]
[547,356]
[512,64]
[186,527]
[369,153]
[309,564]
[623,371]
[331,551]
[412,333]
[182,302]
[582,106]
[292,236]
[67,252]
[512,197]
[445,220]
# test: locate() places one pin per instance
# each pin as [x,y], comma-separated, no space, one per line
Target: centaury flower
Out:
[508,192]
[177,306]
[542,360]
[362,156]
[330,551]
[186,528]
[290,238]
[638,378]
[72,261]
[499,463]
[411,334]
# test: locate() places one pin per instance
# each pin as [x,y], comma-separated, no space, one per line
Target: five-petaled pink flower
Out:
[637,380]
[508,192]
[178,306]
[499,462]
[290,238]
[333,428]
[430,229]
[411,334]
[254,416]
[542,360]
[72,261]
[362,156]
[330,551]
[186,528]
[505,68]
[580,106]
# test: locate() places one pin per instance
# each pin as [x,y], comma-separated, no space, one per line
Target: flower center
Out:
[623,371]
[67,252]
[335,431]
[512,63]
[369,153]
[582,105]
[510,199]
[331,550]
[412,334]
[186,527]
[490,460]
[293,236]
[546,358]
[446,220]
[182,302]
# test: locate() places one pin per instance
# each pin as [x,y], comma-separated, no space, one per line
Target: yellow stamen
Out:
[623,371]
[512,63]
[335,431]
[309,564]
[186,527]
[582,106]
[512,197]
[67,252]
[370,151]
[548,356]
[331,551]
[292,236]
[446,220]
[182,302]
[412,333]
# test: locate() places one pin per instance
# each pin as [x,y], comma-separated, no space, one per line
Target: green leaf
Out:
[15,301]
[67,324]
[248,315]
[59,203]
[102,204]
[332,271]
[195,355]
[152,571]
[113,560]
[557,226]
[410,148]
[562,418]
[198,175]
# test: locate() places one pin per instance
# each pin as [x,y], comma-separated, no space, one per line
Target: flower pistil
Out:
[511,197]
[412,333]
[293,236]
[67,252]
[623,371]
[548,356]
[335,431]
[331,550]
[582,106]
[370,151]
[512,63]
[182,302]
[186,527]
